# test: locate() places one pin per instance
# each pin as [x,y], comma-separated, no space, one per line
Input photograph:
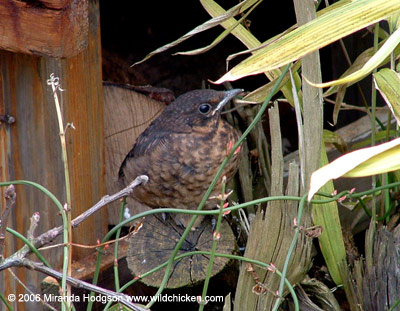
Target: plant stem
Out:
[55,85]
[117,235]
[214,246]
[213,183]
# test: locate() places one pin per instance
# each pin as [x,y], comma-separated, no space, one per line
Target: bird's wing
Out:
[146,143]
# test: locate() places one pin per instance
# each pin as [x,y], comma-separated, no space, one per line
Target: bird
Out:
[181,152]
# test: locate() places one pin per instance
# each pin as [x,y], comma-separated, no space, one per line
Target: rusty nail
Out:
[6,118]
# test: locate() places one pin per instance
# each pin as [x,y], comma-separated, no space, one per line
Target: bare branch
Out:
[10,196]
[110,198]
[34,223]
[51,234]
[121,298]
[28,290]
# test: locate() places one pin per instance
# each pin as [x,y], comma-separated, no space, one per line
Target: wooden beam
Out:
[30,147]
[57,28]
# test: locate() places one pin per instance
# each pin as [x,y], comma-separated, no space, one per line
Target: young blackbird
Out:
[181,152]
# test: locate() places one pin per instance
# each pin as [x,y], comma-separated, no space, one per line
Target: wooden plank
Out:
[32,147]
[57,28]
[84,268]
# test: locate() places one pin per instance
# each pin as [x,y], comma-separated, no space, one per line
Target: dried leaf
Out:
[237,9]
[388,47]
[323,30]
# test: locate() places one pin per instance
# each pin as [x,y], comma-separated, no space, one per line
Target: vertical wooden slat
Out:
[84,97]
[312,97]
[31,147]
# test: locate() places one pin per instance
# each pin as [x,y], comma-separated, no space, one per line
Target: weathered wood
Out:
[54,4]
[381,285]
[50,287]
[313,117]
[312,97]
[30,148]
[155,241]
[126,115]
[322,297]
[271,235]
[57,28]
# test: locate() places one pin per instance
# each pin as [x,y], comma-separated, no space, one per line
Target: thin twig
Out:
[352,107]
[51,234]
[125,237]
[216,238]
[10,196]
[28,290]
[110,198]
[34,224]
[122,298]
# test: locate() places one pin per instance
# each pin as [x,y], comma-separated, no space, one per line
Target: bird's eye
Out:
[205,108]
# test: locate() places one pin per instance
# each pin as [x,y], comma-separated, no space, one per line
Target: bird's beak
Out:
[228,95]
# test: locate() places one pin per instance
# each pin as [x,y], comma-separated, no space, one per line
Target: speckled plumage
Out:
[181,152]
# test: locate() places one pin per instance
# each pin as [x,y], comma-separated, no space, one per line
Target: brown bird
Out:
[181,152]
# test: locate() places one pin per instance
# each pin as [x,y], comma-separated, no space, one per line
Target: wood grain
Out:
[126,115]
[31,146]
[272,233]
[57,28]
[156,240]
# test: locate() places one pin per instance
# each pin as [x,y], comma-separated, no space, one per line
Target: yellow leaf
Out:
[325,29]
[363,162]
[387,81]
[387,48]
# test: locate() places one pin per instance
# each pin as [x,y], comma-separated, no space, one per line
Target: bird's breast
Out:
[182,171]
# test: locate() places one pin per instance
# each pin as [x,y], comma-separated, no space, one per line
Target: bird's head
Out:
[200,109]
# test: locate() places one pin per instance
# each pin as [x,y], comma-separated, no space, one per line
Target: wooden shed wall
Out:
[30,148]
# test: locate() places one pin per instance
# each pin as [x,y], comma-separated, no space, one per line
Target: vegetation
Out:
[278,253]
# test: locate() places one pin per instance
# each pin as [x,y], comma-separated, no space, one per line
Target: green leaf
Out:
[331,239]
[335,139]
[363,162]
[325,29]
[259,95]
[387,81]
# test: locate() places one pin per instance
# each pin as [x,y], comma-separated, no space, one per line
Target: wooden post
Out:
[57,28]
[30,148]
